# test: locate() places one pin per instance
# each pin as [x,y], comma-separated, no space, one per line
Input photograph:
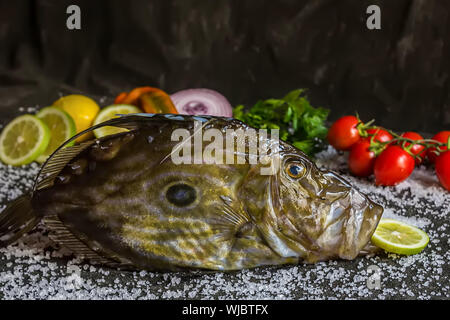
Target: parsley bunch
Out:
[299,123]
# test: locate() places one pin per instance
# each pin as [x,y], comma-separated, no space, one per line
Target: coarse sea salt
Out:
[36,268]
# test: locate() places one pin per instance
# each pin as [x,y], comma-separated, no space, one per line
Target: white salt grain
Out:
[36,268]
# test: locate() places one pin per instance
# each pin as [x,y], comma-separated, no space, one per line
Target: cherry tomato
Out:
[393,166]
[443,169]
[344,133]
[361,160]
[441,137]
[416,149]
[381,135]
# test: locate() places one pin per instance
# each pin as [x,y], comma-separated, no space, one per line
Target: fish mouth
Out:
[338,223]
[360,223]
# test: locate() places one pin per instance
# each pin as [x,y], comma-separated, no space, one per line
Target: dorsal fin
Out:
[56,163]
[64,154]
[60,234]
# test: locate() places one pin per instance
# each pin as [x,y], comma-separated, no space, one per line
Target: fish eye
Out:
[295,170]
[181,194]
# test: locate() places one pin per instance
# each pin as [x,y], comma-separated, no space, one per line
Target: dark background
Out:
[245,49]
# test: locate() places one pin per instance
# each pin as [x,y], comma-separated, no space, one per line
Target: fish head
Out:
[320,210]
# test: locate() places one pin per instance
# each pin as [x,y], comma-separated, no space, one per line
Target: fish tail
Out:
[17,219]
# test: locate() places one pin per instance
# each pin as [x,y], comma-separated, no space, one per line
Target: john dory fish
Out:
[120,200]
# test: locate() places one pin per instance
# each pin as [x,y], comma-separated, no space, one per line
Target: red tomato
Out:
[393,166]
[344,133]
[416,149]
[361,160]
[443,169]
[381,135]
[441,137]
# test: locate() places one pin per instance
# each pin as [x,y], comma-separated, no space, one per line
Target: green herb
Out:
[299,123]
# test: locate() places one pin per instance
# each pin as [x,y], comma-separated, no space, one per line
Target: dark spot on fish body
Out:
[181,194]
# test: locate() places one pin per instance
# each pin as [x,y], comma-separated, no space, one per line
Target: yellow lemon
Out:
[82,109]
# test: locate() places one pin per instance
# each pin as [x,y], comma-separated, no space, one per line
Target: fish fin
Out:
[144,117]
[230,221]
[60,234]
[57,161]
[64,153]
[17,219]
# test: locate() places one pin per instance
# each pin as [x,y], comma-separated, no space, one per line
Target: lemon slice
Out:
[23,140]
[62,127]
[111,112]
[398,237]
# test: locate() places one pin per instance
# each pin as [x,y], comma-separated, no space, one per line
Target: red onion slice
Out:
[202,102]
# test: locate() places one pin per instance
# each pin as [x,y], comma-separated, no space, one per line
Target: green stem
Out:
[427,143]
[378,147]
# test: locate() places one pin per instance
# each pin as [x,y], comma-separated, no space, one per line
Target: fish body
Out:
[122,201]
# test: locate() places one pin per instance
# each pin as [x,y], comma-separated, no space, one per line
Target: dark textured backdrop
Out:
[245,49]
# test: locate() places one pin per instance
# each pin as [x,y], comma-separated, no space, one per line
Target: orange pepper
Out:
[151,100]
[133,96]
[157,102]
[120,97]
